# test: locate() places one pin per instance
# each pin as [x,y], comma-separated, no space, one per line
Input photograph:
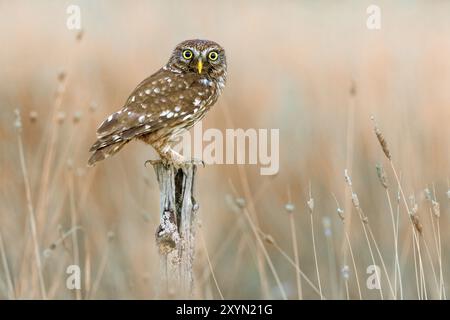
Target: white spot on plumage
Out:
[162,114]
[169,115]
[133,98]
[147,126]
[187,117]
[197,102]
[148,91]
[195,110]
[141,119]
[181,96]
[143,106]
[156,90]
[177,108]
[110,118]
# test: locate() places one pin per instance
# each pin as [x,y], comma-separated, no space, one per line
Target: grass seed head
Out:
[436,208]
[326,222]
[269,239]
[340,213]
[240,202]
[289,207]
[416,222]
[381,139]
[310,203]
[345,272]
[382,176]
[33,116]
[348,180]
[18,121]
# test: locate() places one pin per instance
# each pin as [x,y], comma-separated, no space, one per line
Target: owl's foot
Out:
[197,162]
[170,156]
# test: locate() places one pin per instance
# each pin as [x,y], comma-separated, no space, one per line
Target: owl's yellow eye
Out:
[213,55]
[187,54]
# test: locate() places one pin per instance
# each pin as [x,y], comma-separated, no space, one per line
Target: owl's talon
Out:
[152,162]
[198,162]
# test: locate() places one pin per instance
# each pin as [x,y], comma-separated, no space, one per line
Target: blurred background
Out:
[311,69]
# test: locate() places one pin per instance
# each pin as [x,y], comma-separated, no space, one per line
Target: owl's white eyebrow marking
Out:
[205,81]
[141,119]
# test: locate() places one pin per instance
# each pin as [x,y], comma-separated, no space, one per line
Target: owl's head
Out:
[199,56]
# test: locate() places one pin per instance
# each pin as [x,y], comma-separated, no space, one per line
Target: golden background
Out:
[291,66]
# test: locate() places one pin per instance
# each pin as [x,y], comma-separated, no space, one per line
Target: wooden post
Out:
[175,236]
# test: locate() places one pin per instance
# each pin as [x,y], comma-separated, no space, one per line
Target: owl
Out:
[167,103]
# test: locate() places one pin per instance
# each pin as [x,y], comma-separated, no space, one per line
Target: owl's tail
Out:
[102,153]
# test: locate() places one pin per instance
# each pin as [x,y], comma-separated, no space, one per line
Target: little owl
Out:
[167,103]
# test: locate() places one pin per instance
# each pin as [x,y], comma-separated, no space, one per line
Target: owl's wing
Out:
[149,108]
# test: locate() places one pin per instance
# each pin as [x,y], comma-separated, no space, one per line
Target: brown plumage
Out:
[167,103]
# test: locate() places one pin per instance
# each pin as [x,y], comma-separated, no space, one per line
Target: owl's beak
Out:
[199,66]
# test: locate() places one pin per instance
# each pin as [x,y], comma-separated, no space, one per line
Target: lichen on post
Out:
[175,236]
